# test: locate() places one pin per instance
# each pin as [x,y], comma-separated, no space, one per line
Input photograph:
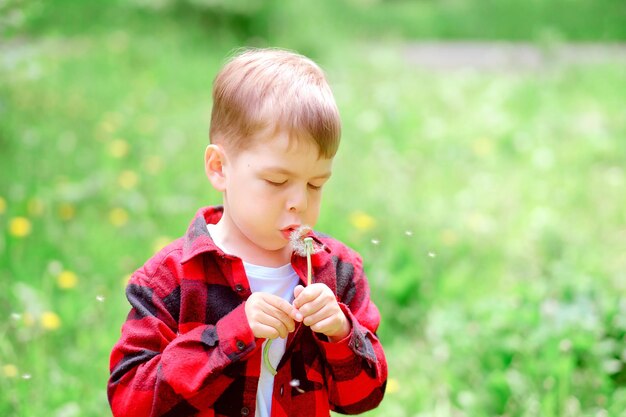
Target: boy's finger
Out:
[285,307]
[275,315]
[297,290]
[306,295]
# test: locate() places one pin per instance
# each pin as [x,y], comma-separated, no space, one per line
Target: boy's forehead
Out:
[286,142]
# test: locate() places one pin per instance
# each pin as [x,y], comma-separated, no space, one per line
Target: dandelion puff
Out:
[100,298]
[296,238]
[295,383]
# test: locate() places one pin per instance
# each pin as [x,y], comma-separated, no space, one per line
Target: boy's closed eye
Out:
[279,183]
[276,183]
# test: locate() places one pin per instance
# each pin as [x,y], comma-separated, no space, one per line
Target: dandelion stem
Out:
[266,357]
[309,249]
[308,242]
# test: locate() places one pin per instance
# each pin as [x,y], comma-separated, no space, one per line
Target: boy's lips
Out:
[287,231]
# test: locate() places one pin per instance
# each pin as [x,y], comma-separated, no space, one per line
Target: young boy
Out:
[205,307]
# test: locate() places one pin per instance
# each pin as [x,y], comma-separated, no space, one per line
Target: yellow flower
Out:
[160,243]
[9,370]
[362,221]
[50,320]
[67,211]
[20,227]
[119,148]
[67,280]
[147,124]
[482,147]
[110,123]
[392,385]
[449,237]
[128,179]
[3,205]
[35,207]
[153,164]
[118,217]
[126,280]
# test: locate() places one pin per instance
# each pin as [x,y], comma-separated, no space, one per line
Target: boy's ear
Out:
[214,161]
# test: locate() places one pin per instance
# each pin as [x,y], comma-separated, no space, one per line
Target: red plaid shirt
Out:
[187,349]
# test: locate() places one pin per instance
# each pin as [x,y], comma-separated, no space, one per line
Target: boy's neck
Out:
[238,245]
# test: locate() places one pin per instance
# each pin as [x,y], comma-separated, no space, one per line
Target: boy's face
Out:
[269,190]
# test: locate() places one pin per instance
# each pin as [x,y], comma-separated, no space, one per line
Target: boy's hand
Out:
[320,311]
[270,316]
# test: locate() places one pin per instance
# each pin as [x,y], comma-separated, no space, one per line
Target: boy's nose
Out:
[298,200]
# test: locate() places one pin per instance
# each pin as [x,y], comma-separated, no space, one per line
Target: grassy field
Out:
[489,207]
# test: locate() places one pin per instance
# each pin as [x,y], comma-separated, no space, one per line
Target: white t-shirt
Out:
[278,281]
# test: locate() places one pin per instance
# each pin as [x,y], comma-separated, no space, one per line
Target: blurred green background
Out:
[487,197]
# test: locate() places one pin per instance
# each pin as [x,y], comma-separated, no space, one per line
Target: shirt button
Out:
[239,288]
[245,411]
[241,345]
[282,390]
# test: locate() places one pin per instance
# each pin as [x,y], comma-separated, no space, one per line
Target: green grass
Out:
[496,202]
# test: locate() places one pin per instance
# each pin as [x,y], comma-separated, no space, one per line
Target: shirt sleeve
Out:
[156,366]
[356,370]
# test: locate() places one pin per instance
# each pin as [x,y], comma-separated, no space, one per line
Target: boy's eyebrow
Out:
[280,170]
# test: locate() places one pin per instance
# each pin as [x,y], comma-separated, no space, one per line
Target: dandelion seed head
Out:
[298,241]
[100,298]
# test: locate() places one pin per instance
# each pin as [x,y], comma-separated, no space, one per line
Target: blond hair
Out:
[263,89]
